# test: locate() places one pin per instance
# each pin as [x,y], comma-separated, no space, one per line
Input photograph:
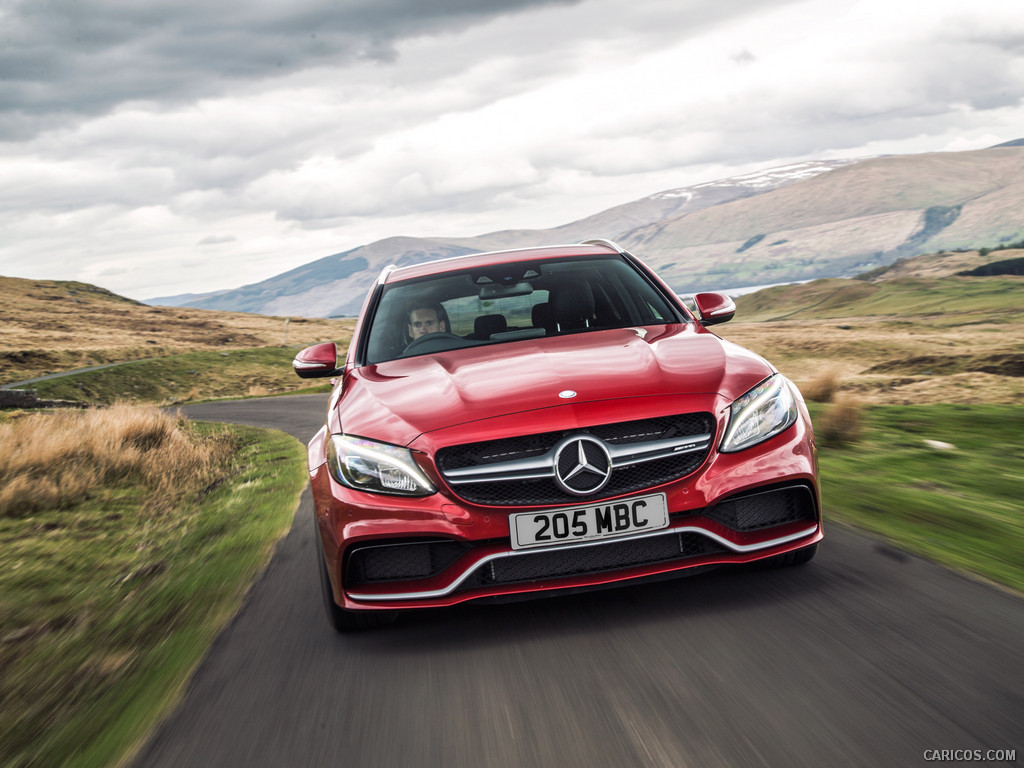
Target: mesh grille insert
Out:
[373,564]
[590,560]
[755,511]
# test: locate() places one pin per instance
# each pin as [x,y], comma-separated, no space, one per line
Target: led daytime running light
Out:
[367,465]
[763,412]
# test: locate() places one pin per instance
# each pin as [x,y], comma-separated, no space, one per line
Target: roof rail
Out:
[602,241]
[385,272]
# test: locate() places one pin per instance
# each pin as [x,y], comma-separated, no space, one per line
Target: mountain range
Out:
[829,218]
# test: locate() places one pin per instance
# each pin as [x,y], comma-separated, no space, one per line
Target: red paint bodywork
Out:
[488,392]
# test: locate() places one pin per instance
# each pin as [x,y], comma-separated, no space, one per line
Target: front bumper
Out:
[385,553]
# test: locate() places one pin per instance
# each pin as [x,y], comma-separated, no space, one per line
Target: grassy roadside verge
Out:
[108,602]
[955,499]
[107,605]
[180,378]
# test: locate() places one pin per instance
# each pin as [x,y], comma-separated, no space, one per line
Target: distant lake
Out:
[734,292]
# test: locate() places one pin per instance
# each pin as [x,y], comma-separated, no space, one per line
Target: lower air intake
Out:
[765,509]
[582,561]
[373,564]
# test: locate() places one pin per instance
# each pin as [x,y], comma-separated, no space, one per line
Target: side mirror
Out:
[318,361]
[714,308]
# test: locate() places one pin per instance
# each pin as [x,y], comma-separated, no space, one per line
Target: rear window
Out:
[509,303]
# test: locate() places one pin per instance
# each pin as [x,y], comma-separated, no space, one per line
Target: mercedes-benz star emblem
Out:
[583,465]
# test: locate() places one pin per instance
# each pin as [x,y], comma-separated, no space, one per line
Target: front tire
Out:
[797,557]
[340,619]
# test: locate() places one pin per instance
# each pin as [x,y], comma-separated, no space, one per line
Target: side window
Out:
[654,312]
[610,304]
[631,301]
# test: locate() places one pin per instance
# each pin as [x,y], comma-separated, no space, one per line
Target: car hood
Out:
[399,400]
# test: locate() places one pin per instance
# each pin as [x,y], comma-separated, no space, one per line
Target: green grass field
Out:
[949,301]
[184,377]
[106,605]
[959,505]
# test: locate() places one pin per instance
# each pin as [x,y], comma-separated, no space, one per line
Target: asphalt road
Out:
[864,657]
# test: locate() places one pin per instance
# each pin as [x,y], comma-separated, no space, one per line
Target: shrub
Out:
[52,461]
[840,424]
[823,387]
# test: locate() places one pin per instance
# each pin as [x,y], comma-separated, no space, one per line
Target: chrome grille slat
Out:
[637,453]
[518,469]
[521,470]
[543,466]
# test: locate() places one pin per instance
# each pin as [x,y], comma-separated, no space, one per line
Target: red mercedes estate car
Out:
[546,419]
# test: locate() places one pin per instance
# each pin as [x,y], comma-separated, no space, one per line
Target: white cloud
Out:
[181,171]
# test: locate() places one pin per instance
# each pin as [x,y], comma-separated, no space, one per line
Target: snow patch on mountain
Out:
[759,180]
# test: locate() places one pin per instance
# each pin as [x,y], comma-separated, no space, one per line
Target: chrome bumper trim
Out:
[427,595]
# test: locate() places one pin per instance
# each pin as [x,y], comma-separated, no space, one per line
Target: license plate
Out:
[588,522]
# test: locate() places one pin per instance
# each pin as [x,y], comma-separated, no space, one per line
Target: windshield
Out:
[511,302]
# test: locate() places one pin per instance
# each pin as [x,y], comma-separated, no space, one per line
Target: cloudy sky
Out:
[174,146]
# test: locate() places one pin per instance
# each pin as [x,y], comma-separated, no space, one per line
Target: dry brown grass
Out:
[946,263]
[836,334]
[879,358]
[840,424]
[823,387]
[51,461]
[847,348]
[48,326]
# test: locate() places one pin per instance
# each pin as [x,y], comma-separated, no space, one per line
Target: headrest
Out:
[485,325]
[572,306]
[540,316]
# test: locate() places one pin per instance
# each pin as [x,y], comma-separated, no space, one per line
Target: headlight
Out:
[367,465]
[761,413]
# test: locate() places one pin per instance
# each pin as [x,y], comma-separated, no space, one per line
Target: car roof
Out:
[491,258]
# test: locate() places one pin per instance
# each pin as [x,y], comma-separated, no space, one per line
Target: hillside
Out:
[318,289]
[798,222]
[918,333]
[853,219]
[52,326]
[337,284]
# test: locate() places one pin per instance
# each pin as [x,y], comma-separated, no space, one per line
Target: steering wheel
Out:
[423,343]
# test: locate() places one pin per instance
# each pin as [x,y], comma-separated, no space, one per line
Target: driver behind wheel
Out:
[424,320]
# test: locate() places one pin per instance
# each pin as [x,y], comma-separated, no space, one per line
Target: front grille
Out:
[582,561]
[642,474]
[765,509]
[376,563]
